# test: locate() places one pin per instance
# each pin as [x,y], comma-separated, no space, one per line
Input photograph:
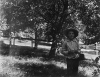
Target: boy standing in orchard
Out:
[70,49]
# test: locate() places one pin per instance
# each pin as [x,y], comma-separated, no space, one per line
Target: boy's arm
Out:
[64,49]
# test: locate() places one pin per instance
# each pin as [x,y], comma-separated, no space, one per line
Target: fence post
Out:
[32,43]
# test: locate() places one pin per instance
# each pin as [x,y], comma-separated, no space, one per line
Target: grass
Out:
[30,62]
[23,51]
[37,67]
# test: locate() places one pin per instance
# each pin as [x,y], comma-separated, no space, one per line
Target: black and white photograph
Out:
[49,38]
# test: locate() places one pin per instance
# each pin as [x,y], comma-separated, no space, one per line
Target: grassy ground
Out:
[39,67]
[23,61]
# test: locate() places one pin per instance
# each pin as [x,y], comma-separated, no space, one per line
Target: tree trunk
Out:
[14,36]
[10,43]
[10,39]
[53,48]
[36,38]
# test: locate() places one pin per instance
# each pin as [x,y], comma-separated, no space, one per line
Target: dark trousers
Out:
[72,66]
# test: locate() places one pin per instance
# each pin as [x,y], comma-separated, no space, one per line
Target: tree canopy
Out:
[58,15]
[90,16]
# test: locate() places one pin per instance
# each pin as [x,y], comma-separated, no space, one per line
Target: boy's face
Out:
[71,35]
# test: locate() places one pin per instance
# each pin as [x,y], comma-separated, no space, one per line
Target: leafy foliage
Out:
[90,17]
[58,15]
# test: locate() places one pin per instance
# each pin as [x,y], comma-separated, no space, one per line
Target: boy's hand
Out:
[65,52]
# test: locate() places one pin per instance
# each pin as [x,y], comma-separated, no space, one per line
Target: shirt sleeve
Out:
[64,46]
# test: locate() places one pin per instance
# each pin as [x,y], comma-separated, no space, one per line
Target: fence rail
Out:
[40,41]
[21,38]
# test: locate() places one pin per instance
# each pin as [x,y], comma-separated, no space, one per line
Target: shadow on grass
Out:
[23,51]
[38,70]
[43,70]
[35,69]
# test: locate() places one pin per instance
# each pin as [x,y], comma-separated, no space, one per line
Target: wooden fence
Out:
[39,41]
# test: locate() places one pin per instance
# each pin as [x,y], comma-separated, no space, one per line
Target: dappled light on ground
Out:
[7,68]
[29,67]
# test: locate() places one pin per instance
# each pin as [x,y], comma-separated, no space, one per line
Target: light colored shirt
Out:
[72,45]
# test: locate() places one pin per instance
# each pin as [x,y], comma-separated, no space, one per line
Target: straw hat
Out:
[73,30]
